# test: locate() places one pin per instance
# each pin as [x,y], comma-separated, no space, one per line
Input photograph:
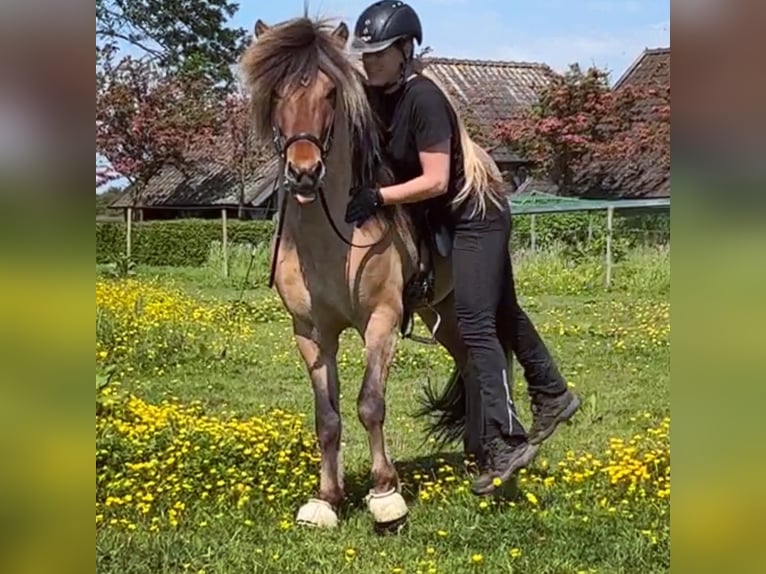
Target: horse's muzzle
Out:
[303,184]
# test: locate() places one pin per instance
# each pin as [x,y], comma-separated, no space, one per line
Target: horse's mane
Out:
[289,54]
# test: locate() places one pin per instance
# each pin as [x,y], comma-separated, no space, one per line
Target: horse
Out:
[308,97]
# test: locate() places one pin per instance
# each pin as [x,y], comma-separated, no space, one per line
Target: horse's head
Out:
[293,70]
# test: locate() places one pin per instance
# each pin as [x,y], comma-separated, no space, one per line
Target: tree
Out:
[579,119]
[185,36]
[233,144]
[146,118]
[105,174]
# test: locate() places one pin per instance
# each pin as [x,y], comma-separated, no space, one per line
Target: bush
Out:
[183,242]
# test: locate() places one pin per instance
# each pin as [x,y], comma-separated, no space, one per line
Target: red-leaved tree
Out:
[579,119]
[233,145]
[146,118]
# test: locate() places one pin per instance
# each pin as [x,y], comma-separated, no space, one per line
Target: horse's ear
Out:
[260,27]
[341,34]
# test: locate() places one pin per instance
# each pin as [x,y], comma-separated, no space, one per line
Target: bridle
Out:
[324,145]
[281,144]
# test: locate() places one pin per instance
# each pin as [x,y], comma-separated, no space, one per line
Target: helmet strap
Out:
[405,71]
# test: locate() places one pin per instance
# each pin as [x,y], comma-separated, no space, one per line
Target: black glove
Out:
[365,202]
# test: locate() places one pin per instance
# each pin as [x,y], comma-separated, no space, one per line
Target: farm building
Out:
[486,92]
[489,92]
[645,176]
[201,189]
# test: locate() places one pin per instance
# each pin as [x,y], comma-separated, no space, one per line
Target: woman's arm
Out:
[435,163]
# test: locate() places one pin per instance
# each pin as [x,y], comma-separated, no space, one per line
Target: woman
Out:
[437,166]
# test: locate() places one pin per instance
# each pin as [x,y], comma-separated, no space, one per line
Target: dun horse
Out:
[309,98]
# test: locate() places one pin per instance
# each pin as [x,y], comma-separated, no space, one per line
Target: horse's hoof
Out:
[389,510]
[317,513]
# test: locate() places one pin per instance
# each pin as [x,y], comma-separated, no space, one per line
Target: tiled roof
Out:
[651,67]
[202,184]
[629,179]
[490,91]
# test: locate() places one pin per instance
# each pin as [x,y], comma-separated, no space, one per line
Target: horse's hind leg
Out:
[319,354]
[386,504]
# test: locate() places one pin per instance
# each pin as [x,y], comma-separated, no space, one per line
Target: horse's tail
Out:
[446,410]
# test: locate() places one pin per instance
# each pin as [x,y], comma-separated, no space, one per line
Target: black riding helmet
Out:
[384,23]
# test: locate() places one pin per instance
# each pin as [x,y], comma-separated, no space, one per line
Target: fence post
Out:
[533,236]
[609,215]
[128,229]
[224,244]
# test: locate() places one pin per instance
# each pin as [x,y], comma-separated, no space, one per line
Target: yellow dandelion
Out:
[514,552]
[477,558]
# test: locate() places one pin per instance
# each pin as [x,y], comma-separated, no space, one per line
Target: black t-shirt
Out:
[414,118]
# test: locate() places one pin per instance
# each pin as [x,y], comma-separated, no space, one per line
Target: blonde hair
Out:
[483,179]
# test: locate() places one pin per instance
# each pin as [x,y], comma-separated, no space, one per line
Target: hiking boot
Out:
[548,412]
[505,457]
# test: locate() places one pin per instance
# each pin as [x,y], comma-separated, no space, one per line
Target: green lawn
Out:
[564,516]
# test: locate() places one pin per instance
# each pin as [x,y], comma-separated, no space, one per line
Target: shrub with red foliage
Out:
[579,119]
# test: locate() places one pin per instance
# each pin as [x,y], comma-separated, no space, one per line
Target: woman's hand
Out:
[365,202]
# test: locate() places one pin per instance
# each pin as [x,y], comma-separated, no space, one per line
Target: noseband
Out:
[282,144]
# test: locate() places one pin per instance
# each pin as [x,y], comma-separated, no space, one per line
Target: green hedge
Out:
[183,242]
[186,242]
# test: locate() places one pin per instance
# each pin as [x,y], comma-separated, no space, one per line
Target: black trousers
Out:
[492,323]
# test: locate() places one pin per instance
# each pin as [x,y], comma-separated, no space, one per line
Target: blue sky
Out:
[608,33]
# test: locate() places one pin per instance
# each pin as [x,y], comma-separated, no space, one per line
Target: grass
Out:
[565,514]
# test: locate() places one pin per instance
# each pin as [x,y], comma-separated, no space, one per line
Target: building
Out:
[202,189]
[489,92]
[644,176]
[486,92]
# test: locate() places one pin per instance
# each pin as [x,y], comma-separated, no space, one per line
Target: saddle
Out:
[432,237]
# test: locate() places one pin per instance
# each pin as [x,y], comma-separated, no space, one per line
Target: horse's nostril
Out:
[305,174]
[293,172]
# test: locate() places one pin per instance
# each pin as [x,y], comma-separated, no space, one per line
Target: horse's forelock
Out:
[288,53]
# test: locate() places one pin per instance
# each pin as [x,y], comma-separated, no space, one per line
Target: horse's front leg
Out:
[385,502]
[319,351]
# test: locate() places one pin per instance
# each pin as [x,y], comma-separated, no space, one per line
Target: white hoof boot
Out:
[317,513]
[389,510]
